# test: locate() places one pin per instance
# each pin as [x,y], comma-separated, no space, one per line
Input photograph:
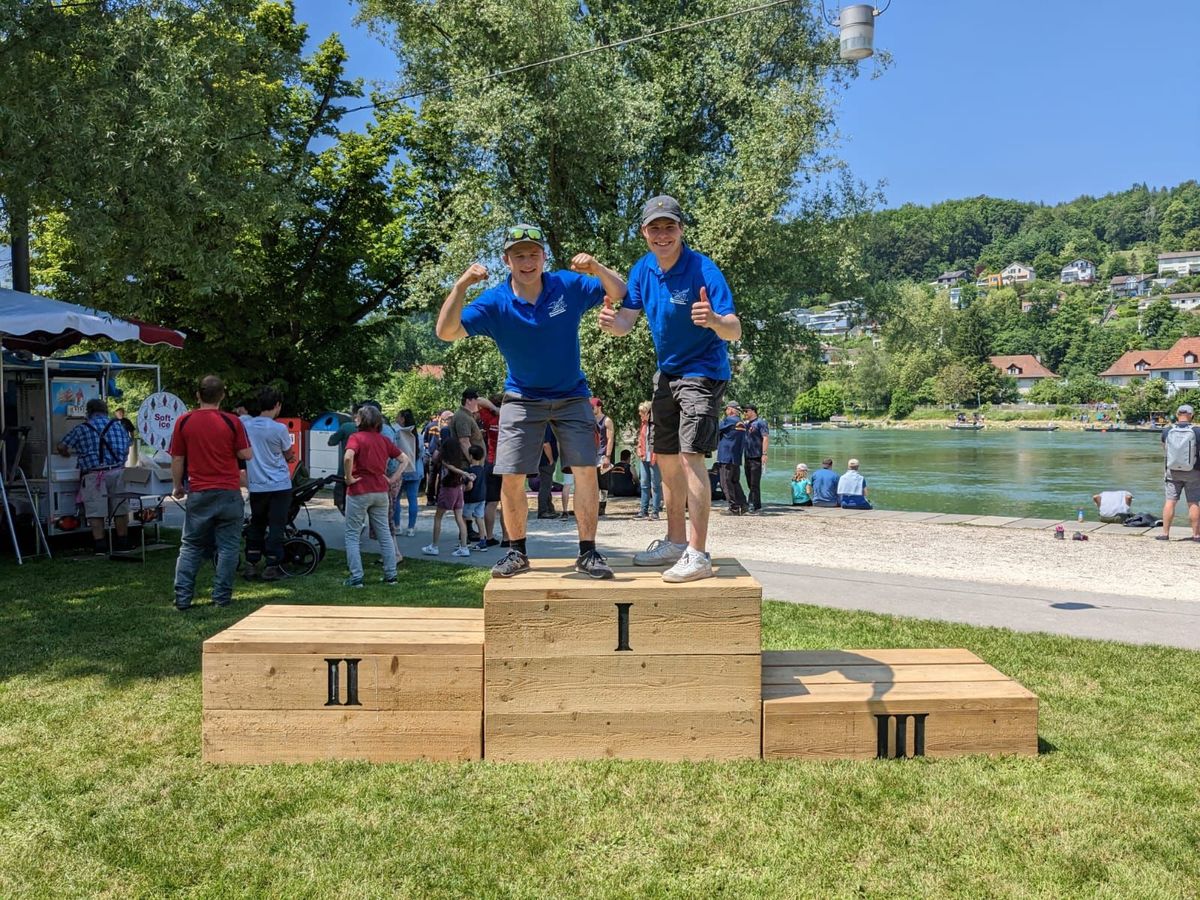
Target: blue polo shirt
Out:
[667,297]
[539,341]
[732,442]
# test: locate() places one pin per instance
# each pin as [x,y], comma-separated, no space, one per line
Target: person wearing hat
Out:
[801,486]
[691,314]
[852,488]
[1181,449]
[730,448]
[533,316]
[757,439]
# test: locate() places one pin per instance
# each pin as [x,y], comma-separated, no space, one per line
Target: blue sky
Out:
[1021,99]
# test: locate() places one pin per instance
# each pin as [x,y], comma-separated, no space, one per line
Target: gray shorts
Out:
[523,426]
[1177,484]
[685,413]
[99,492]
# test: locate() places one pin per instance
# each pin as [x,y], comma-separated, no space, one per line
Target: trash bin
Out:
[298,431]
[323,459]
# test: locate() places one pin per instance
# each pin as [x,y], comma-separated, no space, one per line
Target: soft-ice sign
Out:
[156,419]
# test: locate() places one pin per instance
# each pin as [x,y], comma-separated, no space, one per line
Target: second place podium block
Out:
[629,668]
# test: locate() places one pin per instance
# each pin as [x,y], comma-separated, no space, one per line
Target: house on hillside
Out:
[1135,365]
[1186,302]
[1130,285]
[949,279]
[1017,274]
[987,282]
[1179,367]
[1081,271]
[1027,369]
[1181,264]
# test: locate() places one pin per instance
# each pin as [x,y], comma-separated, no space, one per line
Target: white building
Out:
[1134,365]
[1188,302]
[1181,264]
[1016,274]
[1180,366]
[1081,271]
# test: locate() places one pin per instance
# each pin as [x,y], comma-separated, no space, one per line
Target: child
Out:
[452,463]
[475,498]
[801,487]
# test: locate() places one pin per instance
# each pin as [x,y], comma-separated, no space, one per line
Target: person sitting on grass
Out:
[852,488]
[825,484]
[801,487]
[1114,506]
[367,485]
[455,476]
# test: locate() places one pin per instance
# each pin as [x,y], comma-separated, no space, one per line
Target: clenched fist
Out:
[476,273]
[608,315]
[702,311]
[585,263]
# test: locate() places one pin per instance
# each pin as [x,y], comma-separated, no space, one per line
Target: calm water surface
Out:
[1010,473]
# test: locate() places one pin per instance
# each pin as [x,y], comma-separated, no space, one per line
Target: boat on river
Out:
[966,426]
[1037,428]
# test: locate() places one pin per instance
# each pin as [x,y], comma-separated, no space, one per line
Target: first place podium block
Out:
[630,668]
[374,683]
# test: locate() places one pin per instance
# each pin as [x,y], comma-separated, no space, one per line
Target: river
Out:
[989,472]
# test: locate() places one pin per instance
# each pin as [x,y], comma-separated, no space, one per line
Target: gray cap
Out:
[661,207]
[732,405]
[1185,408]
[522,233]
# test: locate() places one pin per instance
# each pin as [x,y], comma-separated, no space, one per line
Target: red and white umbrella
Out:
[41,325]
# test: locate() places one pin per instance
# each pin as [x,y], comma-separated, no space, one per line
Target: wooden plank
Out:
[291,681]
[716,623]
[341,643]
[671,736]
[556,579]
[258,736]
[854,735]
[619,684]
[414,627]
[809,675]
[405,613]
[841,658]
[898,698]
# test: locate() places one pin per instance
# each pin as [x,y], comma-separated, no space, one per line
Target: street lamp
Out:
[856,28]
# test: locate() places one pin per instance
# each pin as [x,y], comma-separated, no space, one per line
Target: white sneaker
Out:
[430,550]
[462,551]
[692,566]
[410,532]
[660,553]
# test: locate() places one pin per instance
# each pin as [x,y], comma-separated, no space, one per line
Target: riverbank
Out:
[990,424]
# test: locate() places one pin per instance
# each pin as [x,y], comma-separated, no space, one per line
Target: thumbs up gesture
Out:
[702,311]
[608,315]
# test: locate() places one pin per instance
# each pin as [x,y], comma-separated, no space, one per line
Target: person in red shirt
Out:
[206,447]
[489,421]
[367,483]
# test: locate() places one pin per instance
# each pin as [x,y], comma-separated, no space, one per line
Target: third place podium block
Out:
[629,668]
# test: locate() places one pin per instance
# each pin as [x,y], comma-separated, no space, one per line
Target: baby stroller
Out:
[304,548]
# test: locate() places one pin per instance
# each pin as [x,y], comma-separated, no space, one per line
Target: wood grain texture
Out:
[620,684]
[300,681]
[844,658]
[343,643]
[854,735]
[668,736]
[902,697]
[813,675]
[293,736]
[555,579]
[401,613]
[714,624]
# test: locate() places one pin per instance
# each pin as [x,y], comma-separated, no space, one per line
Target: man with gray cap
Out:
[1181,449]
[730,449]
[690,310]
[533,316]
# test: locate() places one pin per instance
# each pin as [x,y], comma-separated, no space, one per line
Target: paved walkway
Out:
[1085,614]
[1027,523]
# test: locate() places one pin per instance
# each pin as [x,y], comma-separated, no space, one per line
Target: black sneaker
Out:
[493,542]
[513,563]
[594,564]
[179,607]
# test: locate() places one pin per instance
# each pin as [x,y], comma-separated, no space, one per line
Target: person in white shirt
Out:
[852,488]
[270,483]
[1114,506]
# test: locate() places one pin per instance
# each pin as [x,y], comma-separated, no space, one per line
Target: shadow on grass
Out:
[72,618]
[1045,747]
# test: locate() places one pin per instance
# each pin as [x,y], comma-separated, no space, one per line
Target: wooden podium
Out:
[630,668]
[382,683]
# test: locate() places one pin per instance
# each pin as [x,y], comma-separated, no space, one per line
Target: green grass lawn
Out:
[102,791]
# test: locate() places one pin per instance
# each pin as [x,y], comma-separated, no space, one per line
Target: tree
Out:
[1140,398]
[1160,321]
[820,402]
[902,404]
[1048,390]
[955,385]
[870,384]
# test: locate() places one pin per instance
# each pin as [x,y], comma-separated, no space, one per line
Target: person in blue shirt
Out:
[757,439]
[730,447]
[269,482]
[690,310]
[533,316]
[825,484]
[100,446]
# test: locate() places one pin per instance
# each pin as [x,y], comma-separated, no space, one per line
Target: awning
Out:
[41,325]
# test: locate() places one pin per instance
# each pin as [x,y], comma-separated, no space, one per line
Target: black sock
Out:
[586,547]
[518,544]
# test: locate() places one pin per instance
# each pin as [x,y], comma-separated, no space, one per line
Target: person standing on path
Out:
[690,310]
[1181,449]
[605,442]
[731,447]
[205,448]
[533,316]
[757,439]
[489,421]
[651,480]
[366,463]
[269,482]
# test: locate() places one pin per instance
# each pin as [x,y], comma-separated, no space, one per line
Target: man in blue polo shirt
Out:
[690,310]
[534,316]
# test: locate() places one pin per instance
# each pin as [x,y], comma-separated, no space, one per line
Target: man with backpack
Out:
[1181,448]
[100,445]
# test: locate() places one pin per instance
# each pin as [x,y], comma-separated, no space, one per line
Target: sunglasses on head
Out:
[520,234]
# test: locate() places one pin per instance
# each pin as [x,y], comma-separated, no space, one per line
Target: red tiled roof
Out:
[1126,365]
[1029,366]
[1174,358]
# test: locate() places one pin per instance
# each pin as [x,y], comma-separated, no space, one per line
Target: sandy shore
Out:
[1118,564]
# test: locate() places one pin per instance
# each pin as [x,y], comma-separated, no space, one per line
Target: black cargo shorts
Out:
[686,411]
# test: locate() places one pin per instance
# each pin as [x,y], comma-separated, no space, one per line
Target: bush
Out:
[820,402]
[902,405]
